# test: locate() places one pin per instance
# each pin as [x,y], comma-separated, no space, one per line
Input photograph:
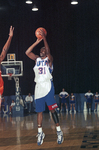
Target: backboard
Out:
[11,66]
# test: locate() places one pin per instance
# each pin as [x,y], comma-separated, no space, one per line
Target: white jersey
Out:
[96,95]
[72,97]
[88,94]
[63,93]
[42,77]
[42,70]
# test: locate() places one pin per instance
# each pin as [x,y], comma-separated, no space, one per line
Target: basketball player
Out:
[4,52]
[7,44]
[44,89]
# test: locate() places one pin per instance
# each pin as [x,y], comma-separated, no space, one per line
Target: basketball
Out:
[37,32]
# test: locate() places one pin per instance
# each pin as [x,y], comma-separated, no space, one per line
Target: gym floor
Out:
[81,131]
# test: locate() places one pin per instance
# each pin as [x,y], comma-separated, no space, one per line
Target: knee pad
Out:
[55,117]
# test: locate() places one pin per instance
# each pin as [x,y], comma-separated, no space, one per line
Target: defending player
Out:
[7,44]
[2,56]
[44,89]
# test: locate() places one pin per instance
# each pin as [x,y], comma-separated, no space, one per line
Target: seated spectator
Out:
[28,100]
[11,106]
[72,103]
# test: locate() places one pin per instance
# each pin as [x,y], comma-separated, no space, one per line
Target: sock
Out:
[58,128]
[39,130]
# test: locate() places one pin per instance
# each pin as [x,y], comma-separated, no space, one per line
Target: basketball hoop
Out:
[9,76]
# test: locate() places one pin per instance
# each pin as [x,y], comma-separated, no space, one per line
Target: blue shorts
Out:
[97,101]
[48,99]
[63,100]
[88,100]
[72,102]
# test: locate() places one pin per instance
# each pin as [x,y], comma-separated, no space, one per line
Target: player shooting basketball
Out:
[44,89]
[2,56]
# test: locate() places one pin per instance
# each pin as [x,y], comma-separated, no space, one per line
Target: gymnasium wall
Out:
[79,98]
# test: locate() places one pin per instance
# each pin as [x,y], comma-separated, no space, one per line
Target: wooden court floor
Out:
[81,132]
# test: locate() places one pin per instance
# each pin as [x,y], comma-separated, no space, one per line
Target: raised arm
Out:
[29,52]
[7,44]
[47,48]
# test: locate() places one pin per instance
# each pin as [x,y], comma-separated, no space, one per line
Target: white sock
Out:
[58,128]
[39,130]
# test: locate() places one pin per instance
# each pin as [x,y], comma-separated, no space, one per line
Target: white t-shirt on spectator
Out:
[29,99]
[13,104]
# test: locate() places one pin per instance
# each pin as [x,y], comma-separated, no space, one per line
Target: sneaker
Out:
[70,111]
[74,111]
[9,113]
[61,110]
[94,110]
[89,109]
[60,138]
[67,110]
[40,138]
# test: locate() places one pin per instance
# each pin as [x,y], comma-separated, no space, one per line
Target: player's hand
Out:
[11,31]
[38,40]
[41,32]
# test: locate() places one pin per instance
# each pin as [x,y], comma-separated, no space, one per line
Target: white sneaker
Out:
[70,112]
[74,111]
[67,110]
[60,138]
[61,110]
[89,109]
[94,110]
[40,138]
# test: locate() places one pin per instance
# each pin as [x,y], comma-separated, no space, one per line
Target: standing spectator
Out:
[63,95]
[11,106]
[29,100]
[96,98]
[89,97]
[72,103]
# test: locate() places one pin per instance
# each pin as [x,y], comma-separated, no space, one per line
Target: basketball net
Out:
[10,76]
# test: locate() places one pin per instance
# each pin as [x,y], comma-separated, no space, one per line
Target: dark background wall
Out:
[73,37]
